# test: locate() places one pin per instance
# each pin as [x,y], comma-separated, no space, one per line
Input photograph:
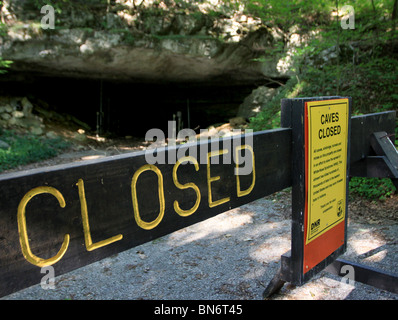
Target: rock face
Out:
[139,40]
[17,112]
[104,60]
[256,101]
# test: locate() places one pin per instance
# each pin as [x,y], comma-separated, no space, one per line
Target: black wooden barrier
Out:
[72,215]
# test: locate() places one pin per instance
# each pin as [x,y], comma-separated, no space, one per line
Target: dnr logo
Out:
[340,208]
[315,224]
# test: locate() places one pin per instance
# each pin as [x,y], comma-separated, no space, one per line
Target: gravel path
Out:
[232,256]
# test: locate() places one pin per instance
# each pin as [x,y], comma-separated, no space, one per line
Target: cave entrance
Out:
[131,108]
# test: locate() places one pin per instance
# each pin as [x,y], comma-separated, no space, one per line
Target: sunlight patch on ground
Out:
[216,226]
[318,289]
[377,257]
[363,241]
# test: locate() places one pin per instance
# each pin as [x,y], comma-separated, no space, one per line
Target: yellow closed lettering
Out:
[90,246]
[23,232]
[241,193]
[140,222]
[181,212]
[146,225]
[211,179]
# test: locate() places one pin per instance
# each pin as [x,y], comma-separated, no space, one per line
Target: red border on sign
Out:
[323,246]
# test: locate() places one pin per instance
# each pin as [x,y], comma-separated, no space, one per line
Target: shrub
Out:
[372,188]
[27,148]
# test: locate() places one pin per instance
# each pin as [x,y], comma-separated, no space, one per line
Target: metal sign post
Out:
[320,165]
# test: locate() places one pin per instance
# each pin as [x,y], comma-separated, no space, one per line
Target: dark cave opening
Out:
[131,108]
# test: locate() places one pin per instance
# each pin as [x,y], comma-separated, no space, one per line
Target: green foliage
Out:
[127,37]
[269,117]
[4,64]
[359,63]
[3,29]
[286,14]
[372,188]
[26,149]
[372,84]
[57,5]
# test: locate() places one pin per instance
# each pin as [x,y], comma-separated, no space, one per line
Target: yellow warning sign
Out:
[326,152]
